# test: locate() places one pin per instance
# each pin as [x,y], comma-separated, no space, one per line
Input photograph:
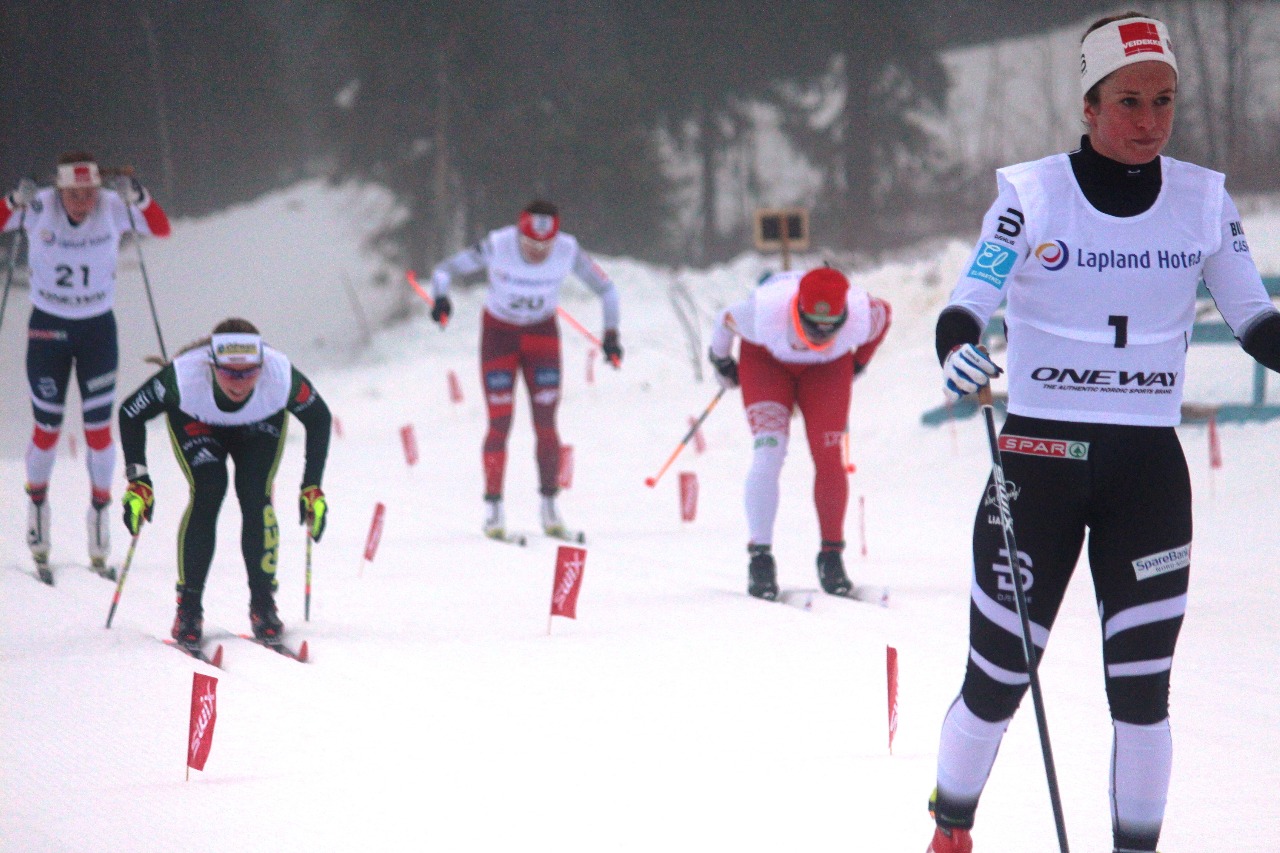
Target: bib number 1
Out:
[1121,324]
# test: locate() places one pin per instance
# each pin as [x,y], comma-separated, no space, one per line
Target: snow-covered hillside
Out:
[675,713]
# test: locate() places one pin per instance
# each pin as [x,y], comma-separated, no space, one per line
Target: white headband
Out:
[1122,43]
[78,175]
[236,349]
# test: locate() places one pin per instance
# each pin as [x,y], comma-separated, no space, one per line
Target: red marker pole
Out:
[568,318]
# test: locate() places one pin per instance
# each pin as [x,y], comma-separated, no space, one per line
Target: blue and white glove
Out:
[966,370]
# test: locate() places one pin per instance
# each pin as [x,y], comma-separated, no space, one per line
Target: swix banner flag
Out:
[688,496]
[570,562]
[410,442]
[699,443]
[565,480]
[204,713]
[891,663]
[1215,449]
[455,388]
[375,532]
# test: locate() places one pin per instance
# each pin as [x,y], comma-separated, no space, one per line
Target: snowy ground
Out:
[675,713]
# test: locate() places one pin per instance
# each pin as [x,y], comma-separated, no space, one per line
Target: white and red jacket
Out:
[73,267]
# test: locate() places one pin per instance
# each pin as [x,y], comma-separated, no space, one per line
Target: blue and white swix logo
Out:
[1053,256]
[992,264]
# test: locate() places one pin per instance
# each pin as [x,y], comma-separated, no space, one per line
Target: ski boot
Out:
[99,530]
[763,572]
[831,569]
[188,623]
[38,538]
[552,523]
[948,836]
[495,526]
[949,840]
[266,623]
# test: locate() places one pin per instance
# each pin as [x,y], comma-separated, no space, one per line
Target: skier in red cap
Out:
[804,339]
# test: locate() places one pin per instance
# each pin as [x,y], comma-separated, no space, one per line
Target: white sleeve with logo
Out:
[1000,251]
[1232,277]
[464,263]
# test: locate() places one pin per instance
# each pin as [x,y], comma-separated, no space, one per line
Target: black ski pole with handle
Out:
[1020,596]
[306,605]
[126,173]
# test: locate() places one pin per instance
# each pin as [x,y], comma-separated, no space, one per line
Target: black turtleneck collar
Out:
[1112,187]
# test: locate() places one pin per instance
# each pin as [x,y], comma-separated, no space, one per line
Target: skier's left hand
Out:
[313,510]
[131,190]
[612,349]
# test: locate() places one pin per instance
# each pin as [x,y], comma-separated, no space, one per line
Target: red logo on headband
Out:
[539,226]
[83,175]
[1140,37]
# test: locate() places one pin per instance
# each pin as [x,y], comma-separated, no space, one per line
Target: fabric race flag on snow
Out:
[688,495]
[570,562]
[204,713]
[1215,447]
[565,478]
[410,442]
[699,443]
[891,665]
[375,532]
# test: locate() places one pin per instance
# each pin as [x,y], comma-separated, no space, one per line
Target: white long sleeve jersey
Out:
[1100,307]
[73,267]
[523,293]
[764,318]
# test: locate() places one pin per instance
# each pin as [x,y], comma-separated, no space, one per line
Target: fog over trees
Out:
[641,120]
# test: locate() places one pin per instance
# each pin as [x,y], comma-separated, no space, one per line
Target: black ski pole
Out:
[1020,596]
[146,282]
[124,573]
[13,260]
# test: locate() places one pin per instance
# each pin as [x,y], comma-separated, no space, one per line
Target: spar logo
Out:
[1053,256]
[1140,37]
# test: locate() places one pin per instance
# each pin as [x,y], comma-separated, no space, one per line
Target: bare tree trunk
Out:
[162,112]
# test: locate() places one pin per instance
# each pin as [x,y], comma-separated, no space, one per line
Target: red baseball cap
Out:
[823,296]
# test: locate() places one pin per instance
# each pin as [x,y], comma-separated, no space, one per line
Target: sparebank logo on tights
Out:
[1054,255]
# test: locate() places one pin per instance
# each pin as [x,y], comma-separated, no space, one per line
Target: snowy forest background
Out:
[658,127]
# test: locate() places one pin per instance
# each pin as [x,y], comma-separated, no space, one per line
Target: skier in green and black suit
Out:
[225,396]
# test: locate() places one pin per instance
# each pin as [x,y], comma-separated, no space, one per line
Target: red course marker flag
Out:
[455,388]
[565,478]
[375,532]
[204,713]
[410,442]
[570,563]
[699,442]
[688,496]
[1215,448]
[891,664]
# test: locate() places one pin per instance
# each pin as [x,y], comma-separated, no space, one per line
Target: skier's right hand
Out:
[966,370]
[138,502]
[441,310]
[23,195]
[726,370]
